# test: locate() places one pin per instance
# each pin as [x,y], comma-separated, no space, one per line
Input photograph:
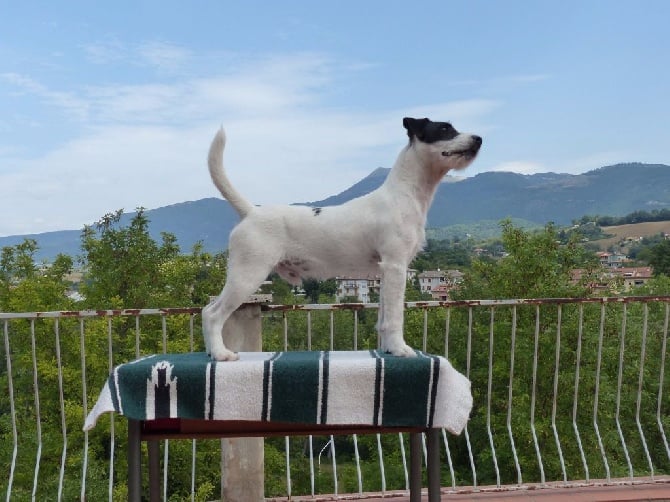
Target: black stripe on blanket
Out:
[325,363]
[295,387]
[267,375]
[403,403]
[433,390]
[379,372]
[212,390]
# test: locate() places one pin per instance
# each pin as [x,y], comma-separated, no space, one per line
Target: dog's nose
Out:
[478,140]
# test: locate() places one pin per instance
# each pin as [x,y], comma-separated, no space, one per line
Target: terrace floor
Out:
[640,490]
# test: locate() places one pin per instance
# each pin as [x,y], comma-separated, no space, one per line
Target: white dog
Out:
[375,235]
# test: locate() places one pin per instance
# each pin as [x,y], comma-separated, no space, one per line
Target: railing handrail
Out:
[270,307]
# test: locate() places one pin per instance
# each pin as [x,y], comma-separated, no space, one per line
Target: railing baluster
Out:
[488,399]
[38,416]
[424,345]
[137,337]
[509,397]
[640,381]
[660,384]
[534,393]
[553,406]
[601,333]
[357,457]
[333,458]
[287,449]
[309,330]
[112,434]
[580,332]
[355,329]
[467,374]
[382,471]
[166,443]
[12,410]
[404,460]
[618,393]
[61,402]
[312,478]
[84,394]
[447,321]
[449,461]
[194,448]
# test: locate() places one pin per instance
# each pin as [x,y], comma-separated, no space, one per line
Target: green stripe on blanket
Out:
[331,387]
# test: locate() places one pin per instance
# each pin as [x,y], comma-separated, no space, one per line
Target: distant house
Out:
[438,283]
[612,260]
[440,293]
[620,278]
[635,276]
[362,288]
[350,287]
[431,279]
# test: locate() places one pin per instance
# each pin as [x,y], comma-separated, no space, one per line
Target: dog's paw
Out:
[224,355]
[400,350]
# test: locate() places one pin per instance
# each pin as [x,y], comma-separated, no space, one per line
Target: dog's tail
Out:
[221,181]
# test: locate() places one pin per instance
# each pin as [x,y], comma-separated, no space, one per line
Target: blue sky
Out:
[112,105]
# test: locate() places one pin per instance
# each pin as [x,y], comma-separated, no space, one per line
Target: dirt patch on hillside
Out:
[632,231]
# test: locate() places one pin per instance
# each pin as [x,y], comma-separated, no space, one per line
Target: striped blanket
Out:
[331,387]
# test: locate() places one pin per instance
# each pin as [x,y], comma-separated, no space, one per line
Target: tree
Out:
[123,264]
[443,254]
[315,289]
[190,280]
[25,287]
[659,258]
[536,266]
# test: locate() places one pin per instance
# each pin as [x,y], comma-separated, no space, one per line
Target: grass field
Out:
[633,230]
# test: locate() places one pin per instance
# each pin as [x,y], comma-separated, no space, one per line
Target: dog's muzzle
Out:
[468,152]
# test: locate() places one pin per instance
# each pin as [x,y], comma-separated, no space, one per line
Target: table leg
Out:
[433,451]
[415,466]
[154,471]
[134,461]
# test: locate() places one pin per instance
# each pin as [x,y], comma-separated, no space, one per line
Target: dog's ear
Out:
[415,127]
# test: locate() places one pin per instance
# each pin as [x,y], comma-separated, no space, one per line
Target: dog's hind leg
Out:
[236,291]
[391,309]
[244,278]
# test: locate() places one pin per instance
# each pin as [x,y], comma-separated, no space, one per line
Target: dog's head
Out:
[441,144]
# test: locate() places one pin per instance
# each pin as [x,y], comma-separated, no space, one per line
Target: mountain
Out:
[365,186]
[208,220]
[614,191]
[538,198]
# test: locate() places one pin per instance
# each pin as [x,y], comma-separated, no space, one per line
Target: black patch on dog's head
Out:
[316,211]
[427,131]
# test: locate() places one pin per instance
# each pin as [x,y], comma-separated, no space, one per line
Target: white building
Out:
[362,288]
[438,282]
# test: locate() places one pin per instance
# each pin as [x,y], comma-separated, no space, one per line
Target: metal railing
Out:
[568,391]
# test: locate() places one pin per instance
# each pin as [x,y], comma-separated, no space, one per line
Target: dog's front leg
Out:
[391,309]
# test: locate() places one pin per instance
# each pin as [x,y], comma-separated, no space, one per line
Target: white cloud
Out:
[105,51]
[146,144]
[519,166]
[163,55]
[68,102]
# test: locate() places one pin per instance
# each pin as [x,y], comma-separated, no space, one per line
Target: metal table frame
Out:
[153,431]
